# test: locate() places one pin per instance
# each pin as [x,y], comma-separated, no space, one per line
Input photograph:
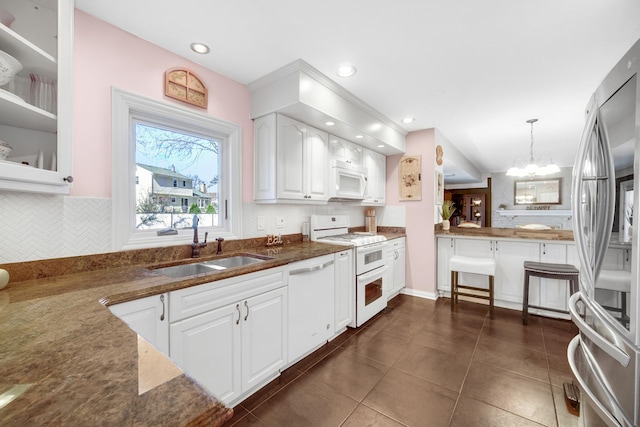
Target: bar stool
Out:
[617,281]
[462,264]
[547,270]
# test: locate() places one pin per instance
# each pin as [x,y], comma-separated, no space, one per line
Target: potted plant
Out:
[448,208]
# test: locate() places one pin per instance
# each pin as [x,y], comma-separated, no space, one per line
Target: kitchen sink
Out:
[208,267]
[233,261]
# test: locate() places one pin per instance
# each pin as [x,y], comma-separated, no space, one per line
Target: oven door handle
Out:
[372,247]
[310,269]
[372,275]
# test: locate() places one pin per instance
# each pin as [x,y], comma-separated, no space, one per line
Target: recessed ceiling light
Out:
[330,123]
[359,136]
[200,48]
[346,70]
[381,146]
[408,120]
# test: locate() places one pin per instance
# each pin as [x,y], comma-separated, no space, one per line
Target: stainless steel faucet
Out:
[219,240]
[195,246]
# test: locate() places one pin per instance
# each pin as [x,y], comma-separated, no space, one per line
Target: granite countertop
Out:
[505,233]
[79,363]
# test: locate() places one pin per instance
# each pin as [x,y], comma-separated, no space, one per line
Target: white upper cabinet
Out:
[40,137]
[291,161]
[376,165]
[344,150]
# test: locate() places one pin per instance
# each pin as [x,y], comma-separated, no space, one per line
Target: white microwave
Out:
[348,181]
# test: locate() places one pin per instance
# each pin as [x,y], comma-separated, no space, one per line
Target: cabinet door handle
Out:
[627,253]
[544,249]
[310,269]
[239,314]
[247,316]
[162,301]
[451,243]
[496,246]
[491,245]
[397,255]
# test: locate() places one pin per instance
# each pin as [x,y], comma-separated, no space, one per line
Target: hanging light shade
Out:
[540,167]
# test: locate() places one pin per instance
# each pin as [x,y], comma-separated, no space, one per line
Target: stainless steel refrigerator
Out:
[605,356]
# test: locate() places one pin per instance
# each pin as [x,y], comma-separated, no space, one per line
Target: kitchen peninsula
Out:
[510,247]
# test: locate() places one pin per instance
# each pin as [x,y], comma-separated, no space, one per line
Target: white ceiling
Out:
[474,70]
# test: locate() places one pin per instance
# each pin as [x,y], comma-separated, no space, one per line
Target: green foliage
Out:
[211,209]
[448,209]
[194,209]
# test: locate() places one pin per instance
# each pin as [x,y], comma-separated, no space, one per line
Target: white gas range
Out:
[369,261]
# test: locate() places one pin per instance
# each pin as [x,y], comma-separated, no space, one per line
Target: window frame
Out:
[127,107]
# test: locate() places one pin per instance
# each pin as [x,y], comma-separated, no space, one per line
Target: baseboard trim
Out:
[419,294]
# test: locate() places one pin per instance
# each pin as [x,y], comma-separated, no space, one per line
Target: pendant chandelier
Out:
[540,167]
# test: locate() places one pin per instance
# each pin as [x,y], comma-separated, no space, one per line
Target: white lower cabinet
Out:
[311,299]
[208,348]
[444,251]
[345,289]
[510,255]
[236,338]
[394,279]
[553,293]
[148,317]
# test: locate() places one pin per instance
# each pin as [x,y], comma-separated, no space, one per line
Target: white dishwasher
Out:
[311,304]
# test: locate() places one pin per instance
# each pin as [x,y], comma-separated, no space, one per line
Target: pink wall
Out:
[106,56]
[421,255]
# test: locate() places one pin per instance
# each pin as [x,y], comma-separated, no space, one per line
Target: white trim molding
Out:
[126,106]
[419,294]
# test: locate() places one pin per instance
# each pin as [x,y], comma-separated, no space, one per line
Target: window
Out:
[159,143]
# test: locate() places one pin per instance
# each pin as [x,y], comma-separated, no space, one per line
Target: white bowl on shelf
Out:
[9,67]
[5,149]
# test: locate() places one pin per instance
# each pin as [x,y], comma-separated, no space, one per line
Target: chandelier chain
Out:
[531,159]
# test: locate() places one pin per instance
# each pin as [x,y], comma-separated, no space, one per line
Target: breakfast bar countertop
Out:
[504,233]
[71,362]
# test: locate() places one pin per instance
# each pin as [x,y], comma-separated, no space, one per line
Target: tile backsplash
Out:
[38,226]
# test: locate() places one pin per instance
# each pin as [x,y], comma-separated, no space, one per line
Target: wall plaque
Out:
[410,171]
[185,86]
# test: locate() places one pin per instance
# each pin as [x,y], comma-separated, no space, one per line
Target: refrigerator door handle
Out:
[587,393]
[610,348]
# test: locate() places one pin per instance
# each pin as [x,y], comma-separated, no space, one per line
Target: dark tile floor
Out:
[418,364]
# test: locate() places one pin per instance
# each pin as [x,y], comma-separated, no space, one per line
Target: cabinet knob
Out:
[69,179]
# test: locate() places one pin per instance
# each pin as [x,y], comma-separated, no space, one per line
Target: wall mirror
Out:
[542,192]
